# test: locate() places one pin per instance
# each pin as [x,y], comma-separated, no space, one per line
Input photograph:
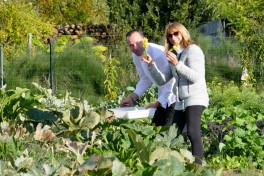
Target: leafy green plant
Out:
[231,122]
[52,141]
[74,115]
[14,103]
[149,96]
[111,72]
[11,148]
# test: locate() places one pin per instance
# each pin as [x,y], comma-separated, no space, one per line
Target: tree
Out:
[64,11]
[17,20]
[73,11]
[100,12]
[152,16]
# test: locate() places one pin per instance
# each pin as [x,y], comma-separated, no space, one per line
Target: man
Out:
[166,98]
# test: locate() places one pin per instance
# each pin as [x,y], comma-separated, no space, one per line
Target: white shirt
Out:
[165,92]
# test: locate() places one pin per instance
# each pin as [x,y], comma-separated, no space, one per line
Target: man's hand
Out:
[126,102]
[147,59]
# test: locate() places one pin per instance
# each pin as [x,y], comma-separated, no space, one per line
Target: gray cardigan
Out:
[190,87]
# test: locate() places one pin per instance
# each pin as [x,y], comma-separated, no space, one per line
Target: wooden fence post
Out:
[29,44]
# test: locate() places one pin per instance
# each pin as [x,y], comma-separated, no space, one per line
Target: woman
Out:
[187,65]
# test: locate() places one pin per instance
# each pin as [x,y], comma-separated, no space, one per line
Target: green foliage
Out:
[148,97]
[233,122]
[128,146]
[67,11]
[136,138]
[11,147]
[62,11]
[17,20]
[147,153]
[240,135]
[100,12]
[73,70]
[153,16]
[170,138]
[79,63]
[16,102]
[231,95]
[221,57]
[218,49]
[112,71]
[245,18]
[74,115]
[122,53]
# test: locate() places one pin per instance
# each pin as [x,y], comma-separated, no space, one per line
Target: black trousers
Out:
[191,117]
[164,117]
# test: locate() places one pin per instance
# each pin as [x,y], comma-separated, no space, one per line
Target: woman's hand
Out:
[172,58]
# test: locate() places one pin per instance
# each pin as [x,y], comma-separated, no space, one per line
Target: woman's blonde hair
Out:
[177,27]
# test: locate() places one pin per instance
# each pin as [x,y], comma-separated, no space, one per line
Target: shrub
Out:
[18,19]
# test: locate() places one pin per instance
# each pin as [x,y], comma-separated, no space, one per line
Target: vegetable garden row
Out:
[42,134]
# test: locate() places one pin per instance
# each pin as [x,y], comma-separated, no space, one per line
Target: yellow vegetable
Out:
[174,47]
[145,45]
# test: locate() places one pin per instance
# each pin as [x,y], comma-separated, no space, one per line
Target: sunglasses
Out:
[173,34]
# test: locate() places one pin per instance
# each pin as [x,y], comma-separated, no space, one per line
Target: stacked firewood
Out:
[100,32]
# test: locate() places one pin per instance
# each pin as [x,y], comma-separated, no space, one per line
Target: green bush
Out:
[229,95]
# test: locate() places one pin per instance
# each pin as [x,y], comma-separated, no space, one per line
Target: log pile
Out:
[100,32]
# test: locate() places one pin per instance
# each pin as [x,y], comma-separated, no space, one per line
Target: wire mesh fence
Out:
[85,76]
